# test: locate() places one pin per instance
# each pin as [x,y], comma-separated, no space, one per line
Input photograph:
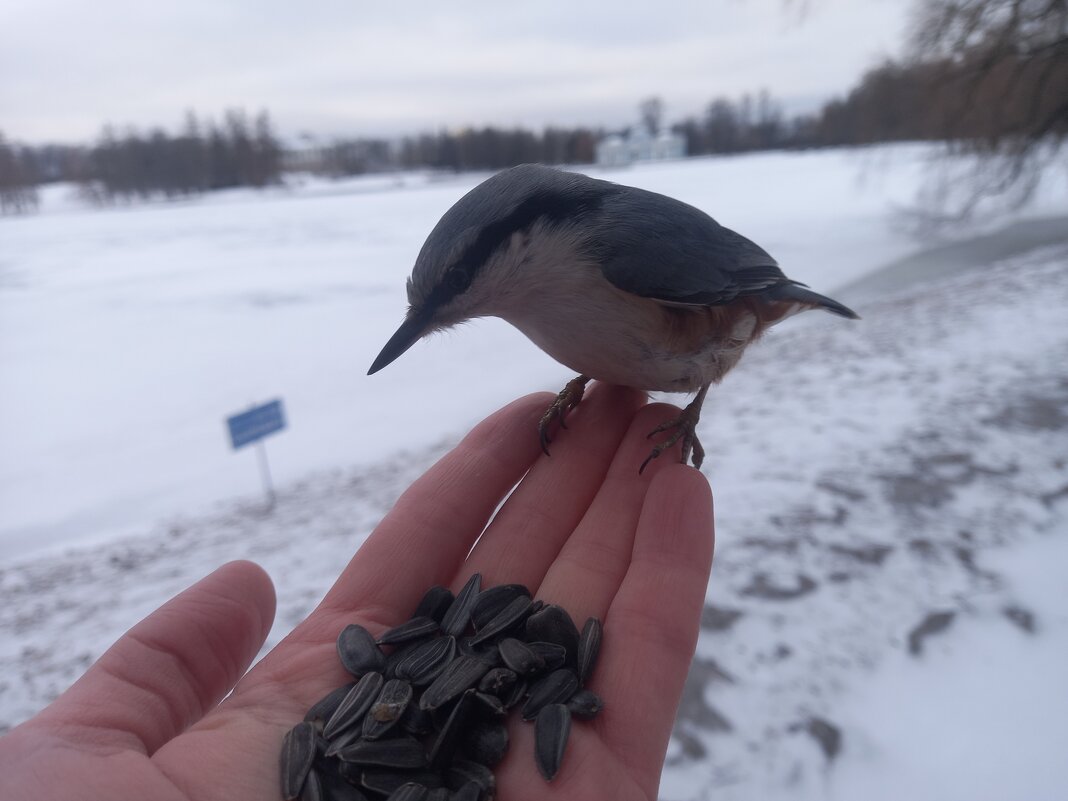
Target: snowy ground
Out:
[887,616]
[127,336]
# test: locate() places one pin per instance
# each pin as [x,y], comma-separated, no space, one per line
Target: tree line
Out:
[202,156]
[136,165]
[990,77]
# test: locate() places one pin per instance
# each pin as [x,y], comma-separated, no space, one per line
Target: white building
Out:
[637,144]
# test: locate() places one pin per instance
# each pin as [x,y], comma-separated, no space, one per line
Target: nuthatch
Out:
[618,283]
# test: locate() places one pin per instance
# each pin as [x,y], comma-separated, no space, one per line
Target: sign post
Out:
[252,426]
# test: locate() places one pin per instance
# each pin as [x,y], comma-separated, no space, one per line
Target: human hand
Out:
[582,530]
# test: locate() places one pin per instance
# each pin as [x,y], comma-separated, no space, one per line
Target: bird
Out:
[617,283]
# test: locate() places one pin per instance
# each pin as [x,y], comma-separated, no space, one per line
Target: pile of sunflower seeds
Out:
[426,721]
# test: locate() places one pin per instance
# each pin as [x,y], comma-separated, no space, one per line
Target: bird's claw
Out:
[566,400]
[685,426]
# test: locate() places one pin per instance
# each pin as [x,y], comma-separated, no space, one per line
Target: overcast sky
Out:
[345,67]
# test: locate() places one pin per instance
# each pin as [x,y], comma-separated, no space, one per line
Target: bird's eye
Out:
[459,279]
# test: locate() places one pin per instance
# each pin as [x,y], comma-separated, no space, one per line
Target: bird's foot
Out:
[685,429]
[567,399]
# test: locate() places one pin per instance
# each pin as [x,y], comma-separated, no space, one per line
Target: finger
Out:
[174,665]
[652,625]
[429,532]
[589,569]
[529,530]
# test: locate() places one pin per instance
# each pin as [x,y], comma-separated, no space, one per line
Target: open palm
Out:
[582,529]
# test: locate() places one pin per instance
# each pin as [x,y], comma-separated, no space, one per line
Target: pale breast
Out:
[572,313]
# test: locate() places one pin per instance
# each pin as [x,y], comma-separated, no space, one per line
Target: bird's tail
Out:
[799,293]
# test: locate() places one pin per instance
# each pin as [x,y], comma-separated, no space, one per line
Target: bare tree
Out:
[651,111]
[18,194]
[1000,78]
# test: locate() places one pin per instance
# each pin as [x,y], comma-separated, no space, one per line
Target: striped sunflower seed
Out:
[313,788]
[415,629]
[551,730]
[424,662]
[298,753]
[588,647]
[461,674]
[492,600]
[449,737]
[321,710]
[555,688]
[398,752]
[459,614]
[355,704]
[387,709]
[505,620]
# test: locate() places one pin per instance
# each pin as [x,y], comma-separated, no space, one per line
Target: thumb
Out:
[173,666]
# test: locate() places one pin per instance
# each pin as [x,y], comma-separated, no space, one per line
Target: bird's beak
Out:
[411,330]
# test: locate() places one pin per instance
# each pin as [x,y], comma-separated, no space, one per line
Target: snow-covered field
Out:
[888,615]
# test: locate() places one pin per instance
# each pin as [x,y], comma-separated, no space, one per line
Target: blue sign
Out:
[256,423]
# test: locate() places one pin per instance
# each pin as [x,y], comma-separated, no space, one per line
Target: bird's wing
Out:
[660,248]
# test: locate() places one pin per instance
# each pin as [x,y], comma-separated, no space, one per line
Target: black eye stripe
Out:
[549,206]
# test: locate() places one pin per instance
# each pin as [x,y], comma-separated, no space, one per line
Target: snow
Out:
[867,475]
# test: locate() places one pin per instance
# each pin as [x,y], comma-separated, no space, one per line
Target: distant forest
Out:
[990,76]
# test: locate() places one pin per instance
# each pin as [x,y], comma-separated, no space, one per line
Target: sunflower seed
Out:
[398,655]
[487,653]
[405,753]
[425,661]
[387,709]
[298,753]
[435,603]
[486,743]
[321,744]
[471,791]
[517,694]
[491,705]
[313,788]
[385,782]
[409,792]
[344,739]
[499,681]
[464,771]
[585,705]
[520,657]
[459,614]
[448,740]
[321,710]
[588,647]
[337,788]
[358,651]
[416,721]
[508,618]
[554,624]
[355,704]
[551,730]
[493,600]
[462,673]
[415,629]
[554,655]
[555,688]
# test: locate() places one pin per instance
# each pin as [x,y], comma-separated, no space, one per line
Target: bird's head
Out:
[474,261]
